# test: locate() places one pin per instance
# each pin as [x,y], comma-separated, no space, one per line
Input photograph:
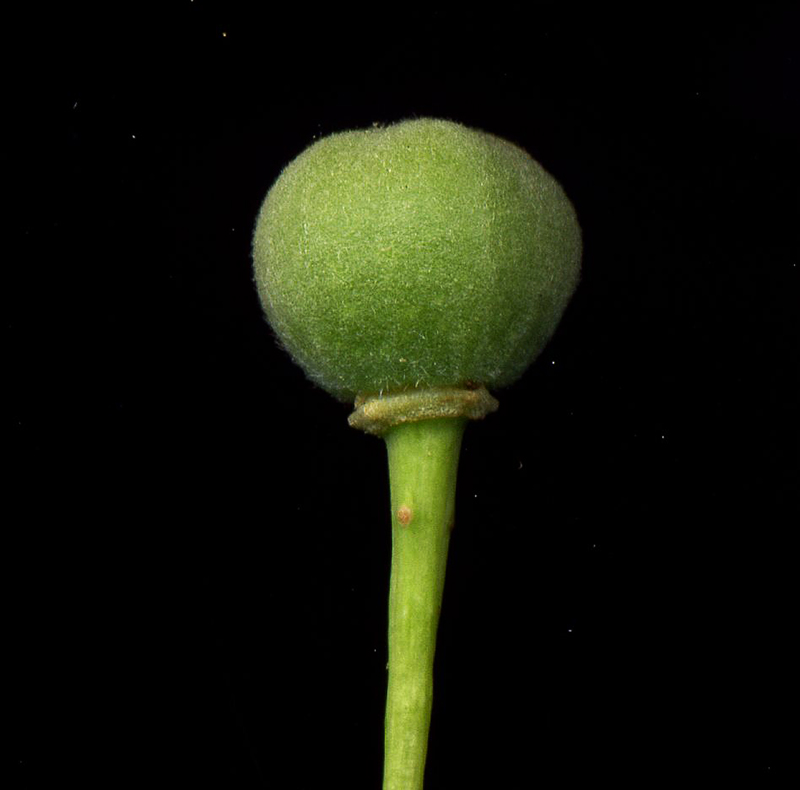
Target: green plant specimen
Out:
[410,269]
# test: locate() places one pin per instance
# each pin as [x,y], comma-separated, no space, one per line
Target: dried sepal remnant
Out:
[377,414]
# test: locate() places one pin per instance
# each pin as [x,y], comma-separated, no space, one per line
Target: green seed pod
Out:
[419,255]
[410,268]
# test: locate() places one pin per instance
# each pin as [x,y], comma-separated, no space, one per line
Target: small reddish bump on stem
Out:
[404,515]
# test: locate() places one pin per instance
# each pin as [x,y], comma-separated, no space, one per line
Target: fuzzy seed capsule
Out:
[422,254]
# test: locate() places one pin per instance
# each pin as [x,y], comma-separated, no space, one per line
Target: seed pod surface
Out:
[420,254]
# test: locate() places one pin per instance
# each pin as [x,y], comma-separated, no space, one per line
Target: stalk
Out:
[423,463]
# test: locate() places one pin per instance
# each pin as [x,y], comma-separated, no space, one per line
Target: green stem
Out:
[423,462]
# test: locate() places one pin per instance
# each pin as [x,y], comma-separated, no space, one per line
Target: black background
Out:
[197,546]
